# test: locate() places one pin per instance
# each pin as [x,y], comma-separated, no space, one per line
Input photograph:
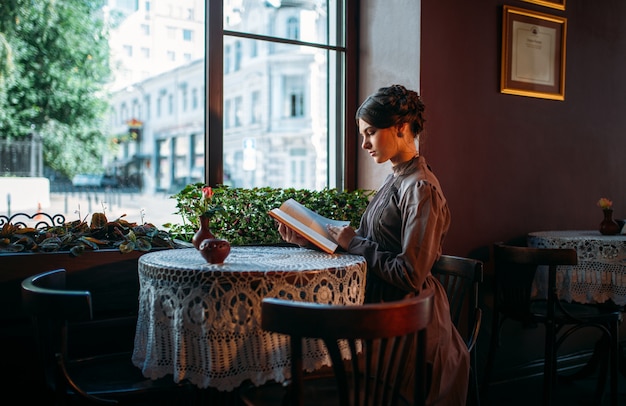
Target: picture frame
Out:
[557,4]
[533,54]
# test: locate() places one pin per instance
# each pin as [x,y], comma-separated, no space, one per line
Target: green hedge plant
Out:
[245,219]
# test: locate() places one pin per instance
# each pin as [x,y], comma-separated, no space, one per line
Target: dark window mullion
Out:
[214,147]
[351,141]
[279,40]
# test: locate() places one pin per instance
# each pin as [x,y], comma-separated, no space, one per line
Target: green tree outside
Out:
[54,65]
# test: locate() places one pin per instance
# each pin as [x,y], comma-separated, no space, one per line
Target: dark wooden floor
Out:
[511,392]
[521,392]
[528,391]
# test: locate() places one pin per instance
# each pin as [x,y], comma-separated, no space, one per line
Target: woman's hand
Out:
[291,236]
[341,235]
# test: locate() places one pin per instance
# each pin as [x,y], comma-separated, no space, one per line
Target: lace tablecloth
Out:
[202,322]
[600,275]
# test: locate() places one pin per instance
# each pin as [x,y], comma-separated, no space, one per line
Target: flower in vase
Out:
[209,209]
[605,204]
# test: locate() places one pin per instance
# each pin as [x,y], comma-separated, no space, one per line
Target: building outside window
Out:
[238,119]
[184,100]
[294,96]
[194,98]
[129,5]
[227,113]
[255,107]
[237,64]
[293,28]
[297,167]
[136,110]
[123,113]
[227,56]
[147,102]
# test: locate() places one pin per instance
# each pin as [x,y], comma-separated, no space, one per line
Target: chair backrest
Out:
[514,272]
[45,295]
[461,277]
[51,307]
[386,333]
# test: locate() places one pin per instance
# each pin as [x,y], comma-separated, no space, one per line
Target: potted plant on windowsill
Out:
[79,236]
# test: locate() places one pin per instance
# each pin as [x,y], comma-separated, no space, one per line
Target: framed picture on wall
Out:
[533,54]
[558,4]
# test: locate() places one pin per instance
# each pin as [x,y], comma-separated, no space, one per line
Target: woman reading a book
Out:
[402,232]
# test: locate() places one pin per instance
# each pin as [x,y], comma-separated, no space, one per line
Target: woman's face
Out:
[382,144]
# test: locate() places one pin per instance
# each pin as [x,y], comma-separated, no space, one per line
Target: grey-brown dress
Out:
[401,236]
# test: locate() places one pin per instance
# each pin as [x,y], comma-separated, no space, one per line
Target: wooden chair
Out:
[461,277]
[386,332]
[514,271]
[105,378]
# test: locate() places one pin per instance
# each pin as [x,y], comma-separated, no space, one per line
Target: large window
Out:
[261,99]
[288,79]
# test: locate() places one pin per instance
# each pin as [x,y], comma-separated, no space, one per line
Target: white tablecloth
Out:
[600,275]
[201,322]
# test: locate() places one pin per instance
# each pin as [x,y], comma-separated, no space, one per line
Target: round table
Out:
[202,322]
[600,275]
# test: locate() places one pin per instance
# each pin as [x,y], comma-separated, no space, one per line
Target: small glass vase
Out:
[203,233]
[608,226]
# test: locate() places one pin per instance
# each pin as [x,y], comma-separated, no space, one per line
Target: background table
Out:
[600,275]
[202,322]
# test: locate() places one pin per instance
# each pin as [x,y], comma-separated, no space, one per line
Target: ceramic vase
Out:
[608,226]
[214,250]
[203,232]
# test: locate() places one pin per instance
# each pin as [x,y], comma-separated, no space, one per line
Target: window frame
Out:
[344,177]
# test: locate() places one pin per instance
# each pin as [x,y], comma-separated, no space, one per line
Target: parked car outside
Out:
[85,180]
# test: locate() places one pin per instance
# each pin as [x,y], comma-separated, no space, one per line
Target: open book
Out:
[307,223]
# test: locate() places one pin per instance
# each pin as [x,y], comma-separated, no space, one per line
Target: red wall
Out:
[510,164]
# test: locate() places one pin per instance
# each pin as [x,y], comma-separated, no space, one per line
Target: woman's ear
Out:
[399,127]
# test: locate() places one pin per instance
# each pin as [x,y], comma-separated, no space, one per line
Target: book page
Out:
[310,218]
[326,244]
